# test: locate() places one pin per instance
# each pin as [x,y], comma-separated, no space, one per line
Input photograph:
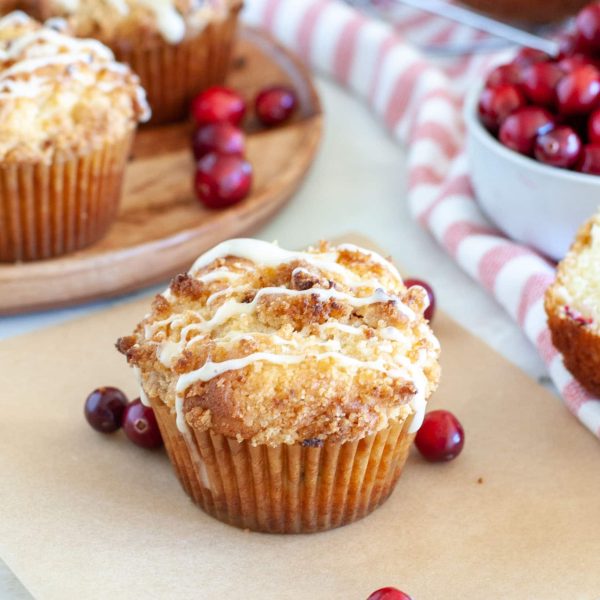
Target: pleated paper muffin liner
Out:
[172,74]
[47,210]
[289,488]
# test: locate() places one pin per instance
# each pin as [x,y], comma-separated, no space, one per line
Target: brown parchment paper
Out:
[87,516]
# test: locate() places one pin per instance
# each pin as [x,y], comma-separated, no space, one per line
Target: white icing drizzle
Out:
[210,370]
[169,21]
[143,395]
[30,54]
[395,365]
[270,255]
[222,274]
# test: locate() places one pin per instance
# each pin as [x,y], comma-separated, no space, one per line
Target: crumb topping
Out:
[262,344]
[139,20]
[59,94]
[577,286]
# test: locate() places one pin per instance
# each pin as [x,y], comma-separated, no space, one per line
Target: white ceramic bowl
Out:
[533,203]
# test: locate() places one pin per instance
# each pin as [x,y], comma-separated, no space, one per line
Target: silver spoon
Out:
[471,19]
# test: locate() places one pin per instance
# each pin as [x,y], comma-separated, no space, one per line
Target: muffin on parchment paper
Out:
[288,386]
[573,307]
[177,47]
[68,112]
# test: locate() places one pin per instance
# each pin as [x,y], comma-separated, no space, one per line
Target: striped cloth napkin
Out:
[419,100]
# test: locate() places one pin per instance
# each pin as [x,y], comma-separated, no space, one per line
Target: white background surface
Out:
[357,184]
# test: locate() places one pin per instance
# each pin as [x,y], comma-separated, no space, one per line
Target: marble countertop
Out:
[358,184]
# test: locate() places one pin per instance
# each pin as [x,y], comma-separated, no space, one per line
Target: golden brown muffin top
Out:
[576,292]
[262,344]
[138,20]
[61,95]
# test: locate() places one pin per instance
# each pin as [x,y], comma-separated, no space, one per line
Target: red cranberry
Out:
[504,75]
[590,160]
[223,138]
[578,92]
[497,103]
[593,128]
[570,63]
[539,83]
[441,437]
[560,147]
[104,409]
[140,425]
[218,104]
[222,180]
[568,44]
[430,294]
[388,593]
[275,105]
[530,56]
[521,129]
[588,26]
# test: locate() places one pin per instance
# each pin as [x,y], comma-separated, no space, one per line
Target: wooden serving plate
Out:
[161,228]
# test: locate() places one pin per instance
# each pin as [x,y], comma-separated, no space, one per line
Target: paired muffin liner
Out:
[172,74]
[47,210]
[289,488]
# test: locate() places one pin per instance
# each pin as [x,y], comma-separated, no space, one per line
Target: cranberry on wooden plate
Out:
[441,437]
[520,130]
[222,180]
[140,426]
[560,147]
[388,593]
[430,294]
[223,138]
[104,409]
[218,104]
[497,103]
[275,105]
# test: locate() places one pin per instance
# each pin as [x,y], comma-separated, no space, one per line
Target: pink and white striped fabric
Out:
[419,101]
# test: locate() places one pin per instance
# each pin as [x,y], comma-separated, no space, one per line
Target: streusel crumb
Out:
[261,344]
[60,95]
[138,21]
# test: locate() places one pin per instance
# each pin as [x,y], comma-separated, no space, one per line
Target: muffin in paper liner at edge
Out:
[177,48]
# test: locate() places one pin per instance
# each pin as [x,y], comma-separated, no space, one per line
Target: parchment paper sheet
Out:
[88,516]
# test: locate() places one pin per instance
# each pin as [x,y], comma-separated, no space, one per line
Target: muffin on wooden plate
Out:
[573,307]
[177,47]
[288,386]
[68,113]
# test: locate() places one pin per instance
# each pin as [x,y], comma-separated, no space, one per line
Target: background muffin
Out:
[177,47]
[288,386]
[573,307]
[67,115]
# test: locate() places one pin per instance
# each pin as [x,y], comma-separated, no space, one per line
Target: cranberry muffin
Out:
[68,112]
[177,47]
[288,386]
[573,307]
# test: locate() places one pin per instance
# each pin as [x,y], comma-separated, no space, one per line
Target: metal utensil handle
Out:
[483,23]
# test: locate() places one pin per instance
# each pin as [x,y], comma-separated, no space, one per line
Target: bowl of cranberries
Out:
[534,139]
